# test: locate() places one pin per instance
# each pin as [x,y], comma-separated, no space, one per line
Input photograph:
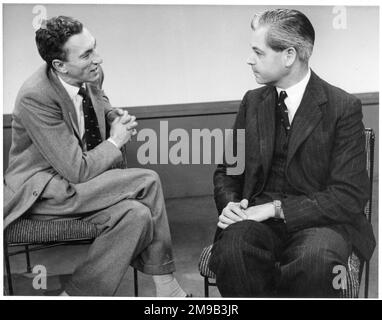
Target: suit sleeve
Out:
[229,188]
[347,188]
[58,144]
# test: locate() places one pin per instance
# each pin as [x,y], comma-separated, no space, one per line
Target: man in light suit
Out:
[297,210]
[62,166]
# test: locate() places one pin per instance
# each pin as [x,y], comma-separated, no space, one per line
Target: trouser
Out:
[252,259]
[133,223]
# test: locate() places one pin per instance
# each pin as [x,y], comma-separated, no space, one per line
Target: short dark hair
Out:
[52,36]
[287,28]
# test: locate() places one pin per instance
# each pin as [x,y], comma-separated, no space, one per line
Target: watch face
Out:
[277,204]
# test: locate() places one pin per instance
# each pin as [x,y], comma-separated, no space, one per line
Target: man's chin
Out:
[94,78]
[260,81]
[258,78]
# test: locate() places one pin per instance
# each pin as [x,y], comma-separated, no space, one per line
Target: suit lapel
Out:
[266,125]
[307,116]
[68,110]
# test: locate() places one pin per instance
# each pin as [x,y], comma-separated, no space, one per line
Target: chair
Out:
[355,263]
[34,235]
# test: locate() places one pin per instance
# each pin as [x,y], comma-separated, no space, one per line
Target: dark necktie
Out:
[92,134]
[283,111]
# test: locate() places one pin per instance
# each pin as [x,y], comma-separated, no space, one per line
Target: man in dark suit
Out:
[63,165]
[297,210]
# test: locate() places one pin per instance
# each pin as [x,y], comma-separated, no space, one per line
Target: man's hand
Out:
[123,128]
[116,113]
[261,212]
[233,212]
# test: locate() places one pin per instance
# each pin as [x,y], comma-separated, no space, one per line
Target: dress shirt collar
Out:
[294,95]
[70,89]
[297,89]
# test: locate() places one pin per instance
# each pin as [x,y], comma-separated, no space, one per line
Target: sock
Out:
[167,286]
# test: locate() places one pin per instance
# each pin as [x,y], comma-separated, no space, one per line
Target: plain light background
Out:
[167,54]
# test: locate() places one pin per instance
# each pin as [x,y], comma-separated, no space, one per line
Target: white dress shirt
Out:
[77,101]
[295,94]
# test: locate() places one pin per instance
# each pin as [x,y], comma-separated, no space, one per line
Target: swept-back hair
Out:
[287,28]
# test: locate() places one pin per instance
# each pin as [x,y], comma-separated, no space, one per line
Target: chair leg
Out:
[367,266]
[206,291]
[29,269]
[135,282]
[8,269]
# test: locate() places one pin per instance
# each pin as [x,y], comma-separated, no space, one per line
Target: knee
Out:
[234,233]
[236,239]
[247,231]
[139,213]
[151,175]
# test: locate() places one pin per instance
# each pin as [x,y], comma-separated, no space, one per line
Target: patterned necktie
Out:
[284,110]
[92,134]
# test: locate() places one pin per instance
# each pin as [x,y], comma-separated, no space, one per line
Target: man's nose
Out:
[251,60]
[97,58]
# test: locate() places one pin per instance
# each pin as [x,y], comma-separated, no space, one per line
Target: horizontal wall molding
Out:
[200,109]
[368,98]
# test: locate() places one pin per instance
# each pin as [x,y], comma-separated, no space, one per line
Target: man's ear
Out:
[290,56]
[59,66]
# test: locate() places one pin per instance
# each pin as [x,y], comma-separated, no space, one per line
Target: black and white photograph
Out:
[190,151]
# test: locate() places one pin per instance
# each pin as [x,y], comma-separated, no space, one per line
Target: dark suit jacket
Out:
[326,161]
[46,147]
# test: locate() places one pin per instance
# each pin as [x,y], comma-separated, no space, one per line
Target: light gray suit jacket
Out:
[46,142]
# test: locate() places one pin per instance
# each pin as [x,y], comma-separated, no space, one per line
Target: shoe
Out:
[188,295]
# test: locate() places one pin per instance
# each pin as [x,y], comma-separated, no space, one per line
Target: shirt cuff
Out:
[113,142]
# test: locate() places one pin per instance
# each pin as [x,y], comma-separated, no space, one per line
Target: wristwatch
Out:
[278,210]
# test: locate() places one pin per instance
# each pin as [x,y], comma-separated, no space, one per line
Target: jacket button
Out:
[35,193]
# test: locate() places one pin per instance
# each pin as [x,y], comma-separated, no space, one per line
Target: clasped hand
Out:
[122,126]
[239,211]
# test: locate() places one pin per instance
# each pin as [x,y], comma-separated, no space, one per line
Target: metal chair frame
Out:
[369,204]
[28,248]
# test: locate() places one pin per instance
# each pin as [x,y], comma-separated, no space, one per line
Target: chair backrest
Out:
[370,138]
